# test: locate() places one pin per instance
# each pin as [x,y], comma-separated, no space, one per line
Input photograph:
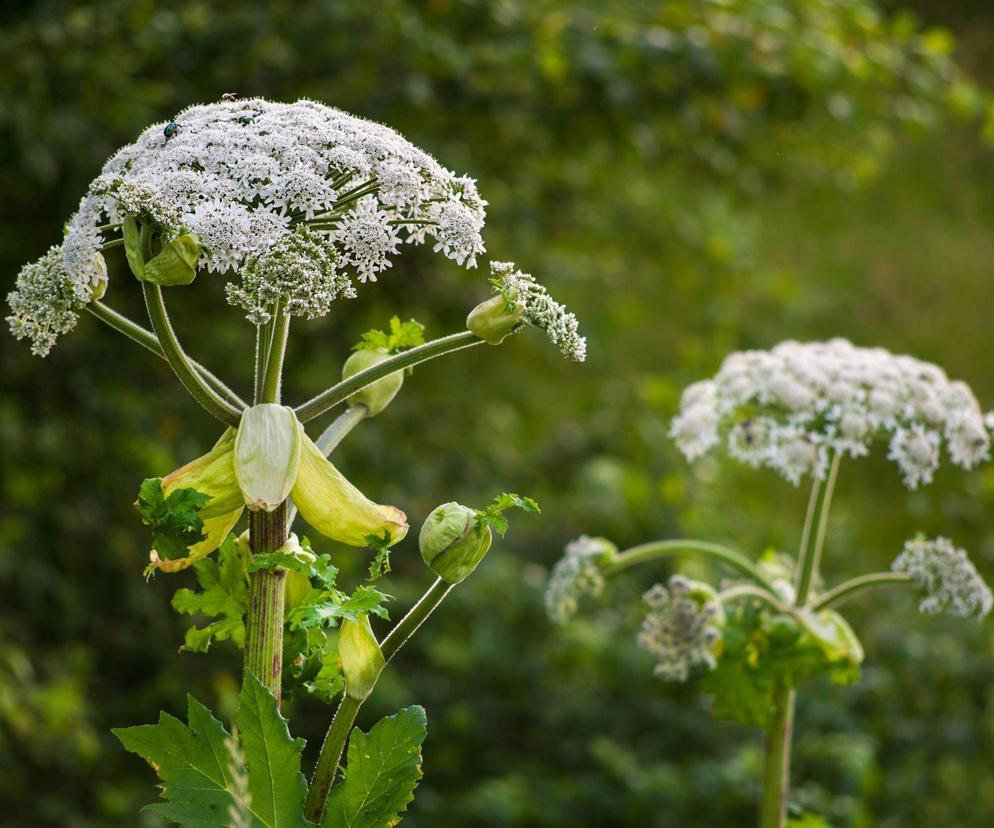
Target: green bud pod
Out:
[451,543]
[133,247]
[336,508]
[267,455]
[495,319]
[379,394]
[362,659]
[176,263]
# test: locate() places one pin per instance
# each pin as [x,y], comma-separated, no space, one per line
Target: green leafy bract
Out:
[223,595]
[492,517]
[402,335]
[384,768]
[192,761]
[175,520]
[380,565]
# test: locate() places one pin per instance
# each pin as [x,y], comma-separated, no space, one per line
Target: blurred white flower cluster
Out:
[946,575]
[243,175]
[576,574]
[540,309]
[792,407]
[682,627]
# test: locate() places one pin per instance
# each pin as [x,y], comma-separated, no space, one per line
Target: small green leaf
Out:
[380,565]
[278,560]
[364,600]
[384,768]
[403,335]
[176,263]
[223,595]
[175,520]
[492,517]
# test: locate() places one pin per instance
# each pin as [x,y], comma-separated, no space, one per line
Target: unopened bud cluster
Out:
[946,575]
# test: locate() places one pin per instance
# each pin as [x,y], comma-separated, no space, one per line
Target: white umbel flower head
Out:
[946,575]
[540,309]
[243,175]
[576,574]
[791,408]
[682,628]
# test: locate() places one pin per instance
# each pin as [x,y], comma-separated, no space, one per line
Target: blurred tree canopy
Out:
[692,177]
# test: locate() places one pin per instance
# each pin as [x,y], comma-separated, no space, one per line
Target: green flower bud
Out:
[379,394]
[267,455]
[362,659]
[176,263]
[495,319]
[336,508]
[451,543]
[98,282]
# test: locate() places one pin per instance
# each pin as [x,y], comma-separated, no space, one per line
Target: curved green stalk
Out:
[148,340]
[212,402]
[670,548]
[811,558]
[750,591]
[346,388]
[338,733]
[850,589]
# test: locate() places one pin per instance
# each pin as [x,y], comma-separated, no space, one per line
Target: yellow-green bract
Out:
[362,659]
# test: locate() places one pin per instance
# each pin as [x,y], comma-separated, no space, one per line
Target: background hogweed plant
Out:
[798,409]
[297,204]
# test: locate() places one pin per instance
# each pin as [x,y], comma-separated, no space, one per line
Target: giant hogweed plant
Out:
[799,409]
[297,205]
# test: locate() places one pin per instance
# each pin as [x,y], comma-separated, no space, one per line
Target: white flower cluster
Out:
[792,407]
[576,574]
[48,298]
[945,574]
[682,627]
[298,272]
[541,310]
[243,174]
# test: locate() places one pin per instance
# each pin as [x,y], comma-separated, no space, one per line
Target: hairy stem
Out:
[273,374]
[341,391]
[338,733]
[854,587]
[671,548]
[148,340]
[264,625]
[810,557]
[776,764]
[212,402]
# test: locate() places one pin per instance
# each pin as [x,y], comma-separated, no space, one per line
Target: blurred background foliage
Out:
[691,177]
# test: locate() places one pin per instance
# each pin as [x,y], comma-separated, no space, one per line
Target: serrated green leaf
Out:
[223,594]
[279,560]
[192,762]
[492,517]
[175,520]
[402,335]
[276,785]
[384,768]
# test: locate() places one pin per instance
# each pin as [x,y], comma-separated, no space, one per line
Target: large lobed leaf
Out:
[193,764]
[384,768]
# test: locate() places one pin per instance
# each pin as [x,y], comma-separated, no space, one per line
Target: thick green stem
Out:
[810,557]
[338,733]
[264,625]
[671,548]
[850,589]
[212,402]
[776,765]
[148,340]
[273,374]
[346,388]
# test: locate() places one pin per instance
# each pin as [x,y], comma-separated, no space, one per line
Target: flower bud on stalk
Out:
[175,264]
[453,542]
[379,394]
[495,319]
[267,455]
[362,659]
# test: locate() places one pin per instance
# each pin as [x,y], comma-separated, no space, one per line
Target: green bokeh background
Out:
[690,177]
